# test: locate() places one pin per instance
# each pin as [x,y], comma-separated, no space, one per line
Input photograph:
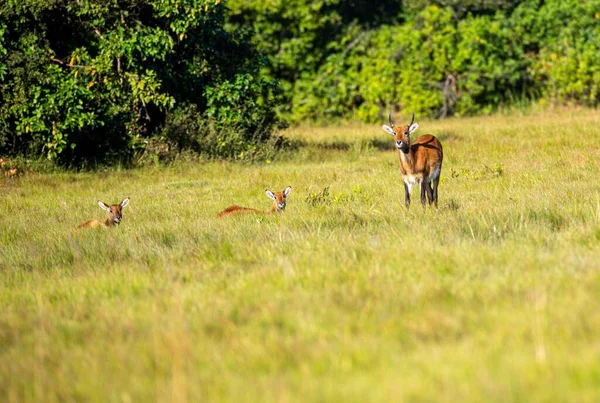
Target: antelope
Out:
[278,204]
[114,216]
[420,162]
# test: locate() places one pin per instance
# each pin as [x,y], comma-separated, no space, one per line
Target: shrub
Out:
[435,57]
[86,81]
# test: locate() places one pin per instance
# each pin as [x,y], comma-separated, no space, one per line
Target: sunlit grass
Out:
[346,296]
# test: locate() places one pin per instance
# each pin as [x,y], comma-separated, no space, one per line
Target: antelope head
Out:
[401,133]
[114,212]
[278,198]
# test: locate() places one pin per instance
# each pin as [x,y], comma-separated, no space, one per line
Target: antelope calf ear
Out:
[287,191]
[270,194]
[388,129]
[124,203]
[413,128]
[103,206]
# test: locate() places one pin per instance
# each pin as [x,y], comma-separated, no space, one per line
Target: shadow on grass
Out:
[337,145]
[384,143]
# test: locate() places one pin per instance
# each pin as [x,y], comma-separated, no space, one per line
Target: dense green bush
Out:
[568,37]
[430,65]
[436,57]
[186,130]
[298,36]
[94,79]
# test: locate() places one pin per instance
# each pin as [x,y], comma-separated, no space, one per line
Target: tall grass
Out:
[347,296]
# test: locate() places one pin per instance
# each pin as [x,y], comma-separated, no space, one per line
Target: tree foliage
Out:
[436,57]
[94,79]
[298,36]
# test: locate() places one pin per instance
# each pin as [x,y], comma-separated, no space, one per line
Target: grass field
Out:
[347,296]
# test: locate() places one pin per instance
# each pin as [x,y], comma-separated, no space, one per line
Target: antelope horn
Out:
[412,120]
[390,119]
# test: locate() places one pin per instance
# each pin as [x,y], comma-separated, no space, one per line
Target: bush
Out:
[92,81]
[569,50]
[186,130]
[434,57]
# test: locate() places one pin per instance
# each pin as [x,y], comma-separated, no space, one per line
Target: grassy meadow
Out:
[347,296]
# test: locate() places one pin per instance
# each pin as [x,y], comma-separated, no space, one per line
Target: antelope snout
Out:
[118,219]
[281,205]
[399,143]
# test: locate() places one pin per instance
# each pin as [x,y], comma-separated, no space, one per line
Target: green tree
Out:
[298,36]
[94,79]
[436,57]
[566,36]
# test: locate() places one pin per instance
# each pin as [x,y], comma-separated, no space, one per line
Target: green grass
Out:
[346,296]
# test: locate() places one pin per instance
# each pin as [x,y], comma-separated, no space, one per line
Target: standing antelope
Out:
[278,204]
[114,215]
[420,162]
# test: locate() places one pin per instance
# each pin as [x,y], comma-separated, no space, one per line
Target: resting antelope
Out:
[114,216]
[278,204]
[420,162]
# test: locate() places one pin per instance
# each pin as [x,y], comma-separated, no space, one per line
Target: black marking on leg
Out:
[436,182]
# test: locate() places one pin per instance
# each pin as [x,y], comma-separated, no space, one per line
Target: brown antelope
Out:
[420,162]
[114,216]
[278,204]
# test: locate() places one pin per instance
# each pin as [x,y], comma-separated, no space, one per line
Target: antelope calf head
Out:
[115,215]
[278,198]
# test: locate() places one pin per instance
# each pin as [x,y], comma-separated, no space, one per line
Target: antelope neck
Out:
[406,156]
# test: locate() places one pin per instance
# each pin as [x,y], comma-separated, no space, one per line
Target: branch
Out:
[123,22]
[73,66]
[145,109]
[354,42]
[119,70]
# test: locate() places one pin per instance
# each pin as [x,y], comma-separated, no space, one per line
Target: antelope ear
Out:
[413,128]
[103,206]
[287,191]
[388,129]
[270,194]
[124,203]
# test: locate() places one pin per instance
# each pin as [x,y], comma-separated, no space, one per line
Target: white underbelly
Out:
[410,180]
